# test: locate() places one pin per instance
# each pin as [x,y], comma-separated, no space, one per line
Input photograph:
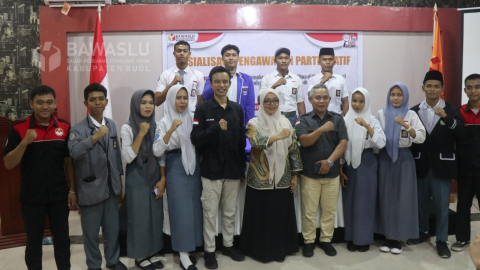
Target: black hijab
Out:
[145,153]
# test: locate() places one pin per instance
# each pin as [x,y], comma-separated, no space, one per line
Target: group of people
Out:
[387,167]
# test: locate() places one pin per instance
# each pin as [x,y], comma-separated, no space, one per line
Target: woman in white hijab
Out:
[269,231]
[180,166]
[360,172]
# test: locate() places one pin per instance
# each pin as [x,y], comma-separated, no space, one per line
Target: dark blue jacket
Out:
[245,95]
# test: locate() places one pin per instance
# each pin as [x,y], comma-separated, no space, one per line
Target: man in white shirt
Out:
[336,83]
[288,85]
[182,74]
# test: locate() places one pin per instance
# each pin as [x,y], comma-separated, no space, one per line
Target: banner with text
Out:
[257,49]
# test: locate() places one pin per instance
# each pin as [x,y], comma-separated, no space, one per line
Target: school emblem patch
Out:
[59,131]
[72,136]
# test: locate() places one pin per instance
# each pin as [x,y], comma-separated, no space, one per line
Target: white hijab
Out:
[268,125]
[357,133]
[183,131]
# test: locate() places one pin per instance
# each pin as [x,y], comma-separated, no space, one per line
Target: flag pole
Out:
[434,20]
[99,10]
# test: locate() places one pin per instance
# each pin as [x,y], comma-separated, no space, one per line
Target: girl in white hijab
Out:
[269,231]
[360,171]
[181,168]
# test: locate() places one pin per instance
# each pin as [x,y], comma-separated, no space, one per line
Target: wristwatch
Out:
[330,163]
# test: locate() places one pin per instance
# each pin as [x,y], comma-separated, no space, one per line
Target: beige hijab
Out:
[268,125]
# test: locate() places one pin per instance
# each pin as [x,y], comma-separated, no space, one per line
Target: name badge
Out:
[245,90]
[193,93]
[404,134]
[294,91]
[338,92]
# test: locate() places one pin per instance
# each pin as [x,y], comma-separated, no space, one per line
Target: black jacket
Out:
[222,151]
[438,152]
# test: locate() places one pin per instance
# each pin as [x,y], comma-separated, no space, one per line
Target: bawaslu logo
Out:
[188,37]
[350,40]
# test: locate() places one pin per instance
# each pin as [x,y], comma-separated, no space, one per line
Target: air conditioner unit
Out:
[78,3]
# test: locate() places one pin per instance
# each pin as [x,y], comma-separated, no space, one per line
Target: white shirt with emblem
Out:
[95,123]
[193,81]
[412,119]
[337,87]
[159,146]
[232,91]
[126,134]
[290,94]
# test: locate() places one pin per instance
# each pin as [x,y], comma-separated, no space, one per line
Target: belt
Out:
[178,151]
[368,150]
[289,114]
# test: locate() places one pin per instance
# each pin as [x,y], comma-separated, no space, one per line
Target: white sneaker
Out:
[385,247]
[396,247]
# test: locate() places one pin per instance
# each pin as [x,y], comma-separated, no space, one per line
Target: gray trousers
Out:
[105,215]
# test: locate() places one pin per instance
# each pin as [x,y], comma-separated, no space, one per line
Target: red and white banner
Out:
[257,49]
[98,71]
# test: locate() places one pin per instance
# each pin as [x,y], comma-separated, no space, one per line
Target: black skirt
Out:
[269,230]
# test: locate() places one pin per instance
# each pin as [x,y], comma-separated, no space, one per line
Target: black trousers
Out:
[34,218]
[468,187]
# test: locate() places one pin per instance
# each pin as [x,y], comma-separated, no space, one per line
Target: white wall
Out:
[395,56]
[471,47]
[135,62]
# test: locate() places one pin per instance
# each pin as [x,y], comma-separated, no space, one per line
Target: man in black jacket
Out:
[219,136]
[435,161]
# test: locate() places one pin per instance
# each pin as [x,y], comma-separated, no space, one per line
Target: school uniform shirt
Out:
[127,139]
[232,90]
[412,119]
[378,140]
[193,81]
[159,146]
[290,94]
[438,153]
[97,166]
[337,87]
[42,173]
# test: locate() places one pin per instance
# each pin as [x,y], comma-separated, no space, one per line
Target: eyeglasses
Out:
[271,101]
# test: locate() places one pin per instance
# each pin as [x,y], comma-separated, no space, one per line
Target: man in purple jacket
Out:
[241,88]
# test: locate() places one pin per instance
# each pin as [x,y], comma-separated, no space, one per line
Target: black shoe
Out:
[210,260]
[118,266]
[280,260]
[328,248]
[363,248]
[396,247]
[193,259]
[150,266]
[191,267]
[94,269]
[308,250]
[233,253]
[443,250]
[422,238]
[351,246]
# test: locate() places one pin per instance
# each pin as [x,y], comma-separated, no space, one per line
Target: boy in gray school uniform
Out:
[94,145]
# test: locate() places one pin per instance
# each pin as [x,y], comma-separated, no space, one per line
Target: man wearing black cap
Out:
[288,85]
[336,83]
[435,160]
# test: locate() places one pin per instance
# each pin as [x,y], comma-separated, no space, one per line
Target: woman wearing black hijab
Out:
[144,210]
